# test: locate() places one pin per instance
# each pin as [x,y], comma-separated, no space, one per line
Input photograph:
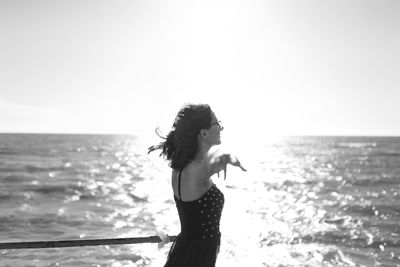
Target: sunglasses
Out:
[219,125]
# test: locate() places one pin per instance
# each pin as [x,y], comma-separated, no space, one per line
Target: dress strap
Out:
[179,179]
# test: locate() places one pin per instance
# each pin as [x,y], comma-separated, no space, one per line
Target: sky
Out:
[265,67]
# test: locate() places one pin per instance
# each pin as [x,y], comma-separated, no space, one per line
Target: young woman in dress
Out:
[189,149]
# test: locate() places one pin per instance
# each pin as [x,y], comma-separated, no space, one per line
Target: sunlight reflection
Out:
[272,213]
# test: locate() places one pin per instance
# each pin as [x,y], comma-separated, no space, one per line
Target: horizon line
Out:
[141,134]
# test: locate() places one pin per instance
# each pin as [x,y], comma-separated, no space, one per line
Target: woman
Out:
[188,147]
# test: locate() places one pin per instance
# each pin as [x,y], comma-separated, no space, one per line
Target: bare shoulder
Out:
[197,173]
[190,174]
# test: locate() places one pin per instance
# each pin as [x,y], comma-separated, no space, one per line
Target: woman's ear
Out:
[203,134]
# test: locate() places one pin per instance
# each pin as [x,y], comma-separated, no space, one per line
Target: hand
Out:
[230,159]
[218,161]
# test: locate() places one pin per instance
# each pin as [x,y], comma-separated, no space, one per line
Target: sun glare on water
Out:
[270,213]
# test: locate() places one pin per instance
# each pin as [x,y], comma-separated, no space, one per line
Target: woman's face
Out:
[214,132]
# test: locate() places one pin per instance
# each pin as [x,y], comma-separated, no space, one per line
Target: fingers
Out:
[238,164]
[241,167]
[235,162]
[225,169]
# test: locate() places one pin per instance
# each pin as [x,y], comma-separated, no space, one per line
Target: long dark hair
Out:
[180,145]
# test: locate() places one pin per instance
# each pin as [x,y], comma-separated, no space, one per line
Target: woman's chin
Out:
[216,143]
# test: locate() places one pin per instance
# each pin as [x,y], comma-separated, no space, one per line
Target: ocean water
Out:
[305,201]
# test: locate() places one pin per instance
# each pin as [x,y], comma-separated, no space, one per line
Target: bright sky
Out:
[271,67]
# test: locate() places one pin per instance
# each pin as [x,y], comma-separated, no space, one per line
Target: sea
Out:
[304,201]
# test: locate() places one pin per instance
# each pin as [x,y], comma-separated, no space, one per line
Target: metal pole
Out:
[82,242]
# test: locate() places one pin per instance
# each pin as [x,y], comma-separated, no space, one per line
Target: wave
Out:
[375,182]
[348,240]
[372,210]
[5,197]
[341,237]
[137,198]
[32,168]
[87,196]
[44,220]
[356,145]
[9,152]
[392,227]
[52,189]
[386,154]
[17,178]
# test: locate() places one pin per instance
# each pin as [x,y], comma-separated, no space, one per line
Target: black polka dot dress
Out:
[198,242]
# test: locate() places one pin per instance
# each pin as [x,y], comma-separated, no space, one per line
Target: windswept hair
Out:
[180,145]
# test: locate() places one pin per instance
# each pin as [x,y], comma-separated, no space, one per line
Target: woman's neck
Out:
[200,155]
